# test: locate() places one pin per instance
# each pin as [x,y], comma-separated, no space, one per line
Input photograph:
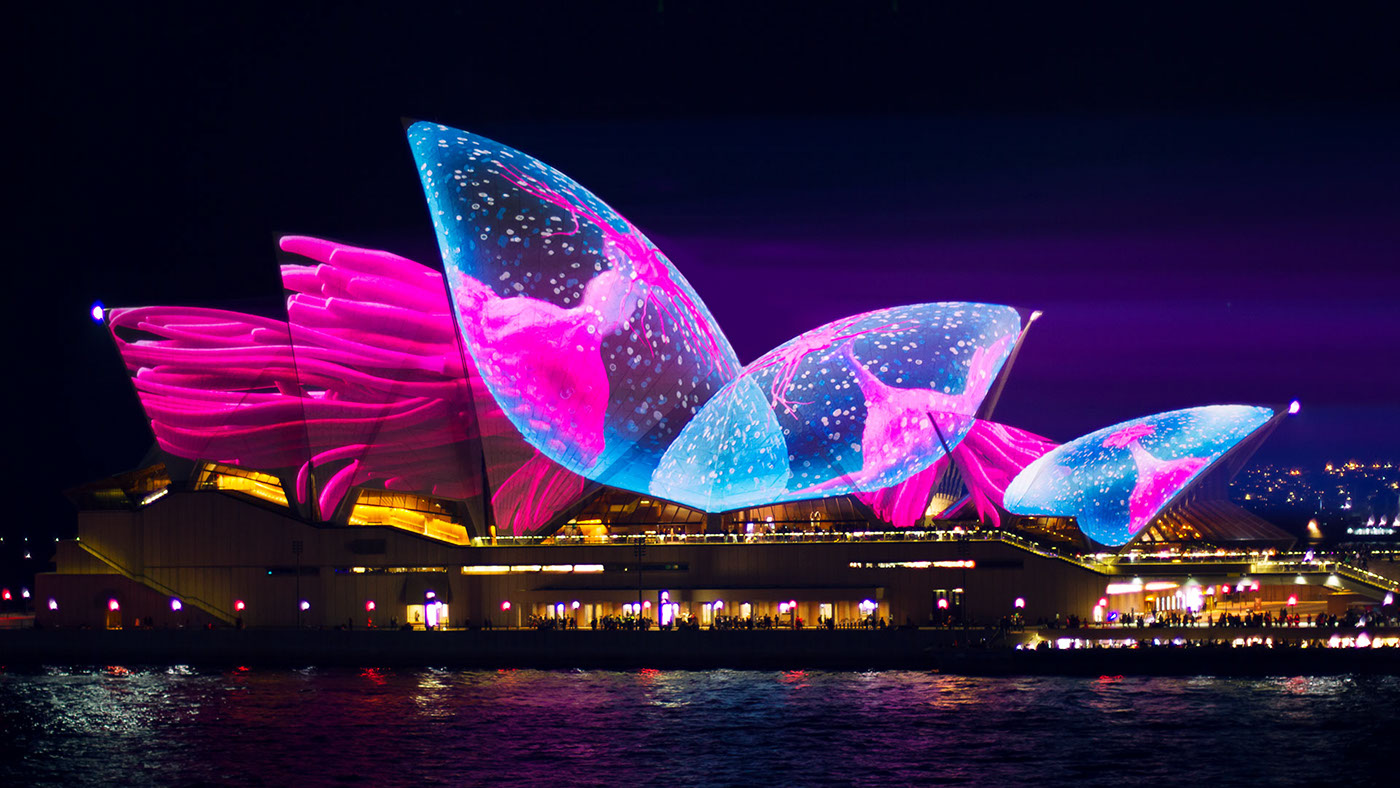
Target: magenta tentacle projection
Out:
[903,504]
[987,458]
[363,384]
[789,357]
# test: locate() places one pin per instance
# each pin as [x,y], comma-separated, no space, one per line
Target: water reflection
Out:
[133,726]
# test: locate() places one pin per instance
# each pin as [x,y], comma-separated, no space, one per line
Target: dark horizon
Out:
[1205,213]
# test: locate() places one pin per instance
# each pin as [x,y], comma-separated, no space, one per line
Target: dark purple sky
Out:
[1203,203]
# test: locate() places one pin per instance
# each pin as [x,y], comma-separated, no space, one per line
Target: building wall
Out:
[213,549]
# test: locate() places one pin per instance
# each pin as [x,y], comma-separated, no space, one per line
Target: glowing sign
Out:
[1116,480]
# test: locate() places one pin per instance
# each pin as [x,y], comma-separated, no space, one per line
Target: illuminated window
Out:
[264,486]
[416,513]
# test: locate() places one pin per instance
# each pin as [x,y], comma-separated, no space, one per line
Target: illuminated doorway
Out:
[430,616]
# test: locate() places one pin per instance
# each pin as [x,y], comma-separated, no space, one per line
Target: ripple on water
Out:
[176,726]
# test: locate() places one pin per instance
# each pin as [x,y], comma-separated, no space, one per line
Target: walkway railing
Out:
[156,585]
[793,537]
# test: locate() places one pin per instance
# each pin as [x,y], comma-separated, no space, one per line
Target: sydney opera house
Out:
[552,425]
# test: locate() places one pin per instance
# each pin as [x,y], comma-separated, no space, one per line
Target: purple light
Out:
[98,312]
[1019,603]
[175,605]
[113,604]
[305,605]
[53,603]
[1294,407]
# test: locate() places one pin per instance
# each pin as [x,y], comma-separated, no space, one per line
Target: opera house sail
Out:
[557,380]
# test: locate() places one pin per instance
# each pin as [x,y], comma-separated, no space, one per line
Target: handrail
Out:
[1366,577]
[563,540]
[156,585]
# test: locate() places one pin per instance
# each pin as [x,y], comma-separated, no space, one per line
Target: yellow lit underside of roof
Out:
[413,513]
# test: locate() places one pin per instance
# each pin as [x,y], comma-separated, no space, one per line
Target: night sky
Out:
[1206,205]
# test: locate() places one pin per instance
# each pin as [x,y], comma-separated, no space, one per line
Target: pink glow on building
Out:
[365,384]
[988,458]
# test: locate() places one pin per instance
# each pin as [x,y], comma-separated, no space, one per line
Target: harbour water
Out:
[121,725]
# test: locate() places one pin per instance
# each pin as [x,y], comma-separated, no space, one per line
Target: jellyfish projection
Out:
[860,404]
[559,350]
[1118,479]
[592,343]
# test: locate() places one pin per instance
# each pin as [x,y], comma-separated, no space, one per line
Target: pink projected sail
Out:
[363,385]
[987,458]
